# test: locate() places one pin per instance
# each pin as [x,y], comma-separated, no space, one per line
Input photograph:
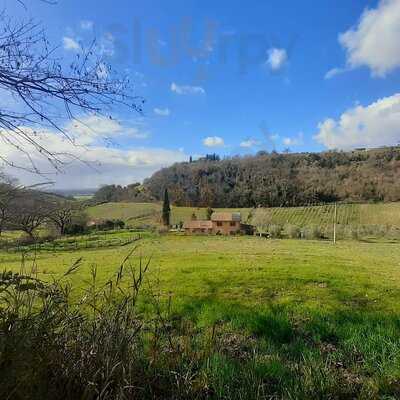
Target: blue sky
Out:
[260,75]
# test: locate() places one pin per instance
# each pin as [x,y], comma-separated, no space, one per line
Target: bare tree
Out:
[5,200]
[61,215]
[8,192]
[49,90]
[30,211]
[30,222]
[262,219]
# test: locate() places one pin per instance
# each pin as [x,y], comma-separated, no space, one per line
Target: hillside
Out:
[135,214]
[277,180]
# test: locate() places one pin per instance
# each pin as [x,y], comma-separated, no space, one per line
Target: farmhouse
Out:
[205,227]
[221,223]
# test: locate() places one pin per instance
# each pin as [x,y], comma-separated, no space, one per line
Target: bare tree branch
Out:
[47,93]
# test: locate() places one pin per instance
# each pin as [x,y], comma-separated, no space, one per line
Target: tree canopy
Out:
[274,180]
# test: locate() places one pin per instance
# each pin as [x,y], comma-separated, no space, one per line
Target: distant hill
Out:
[134,193]
[276,180]
[73,193]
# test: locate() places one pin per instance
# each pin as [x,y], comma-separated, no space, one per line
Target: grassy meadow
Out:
[293,318]
[306,275]
[239,317]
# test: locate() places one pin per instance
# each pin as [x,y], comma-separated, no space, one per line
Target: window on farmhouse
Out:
[219,223]
[233,223]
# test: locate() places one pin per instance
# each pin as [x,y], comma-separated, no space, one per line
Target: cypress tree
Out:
[166,210]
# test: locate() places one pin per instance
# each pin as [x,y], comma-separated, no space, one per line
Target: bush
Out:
[48,237]
[393,233]
[109,224]
[275,231]
[293,231]
[341,231]
[353,232]
[312,232]
[26,240]
[76,229]
[162,230]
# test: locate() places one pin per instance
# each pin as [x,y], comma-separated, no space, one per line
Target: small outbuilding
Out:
[199,227]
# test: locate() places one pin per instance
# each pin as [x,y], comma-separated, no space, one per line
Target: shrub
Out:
[161,230]
[353,232]
[393,233]
[293,231]
[48,237]
[275,231]
[341,231]
[26,240]
[109,224]
[312,232]
[76,229]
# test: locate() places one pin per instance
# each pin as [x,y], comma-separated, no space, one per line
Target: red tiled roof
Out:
[226,216]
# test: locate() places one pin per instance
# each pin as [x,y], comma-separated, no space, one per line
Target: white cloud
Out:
[277,58]
[71,44]
[163,112]
[186,89]
[89,161]
[88,130]
[86,25]
[287,141]
[249,143]
[334,72]
[375,42]
[294,141]
[213,141]
[371,126]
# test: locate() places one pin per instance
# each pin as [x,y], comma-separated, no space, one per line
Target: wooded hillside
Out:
[282,179]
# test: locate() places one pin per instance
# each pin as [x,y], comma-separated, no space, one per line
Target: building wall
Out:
[226,227]
[198,231]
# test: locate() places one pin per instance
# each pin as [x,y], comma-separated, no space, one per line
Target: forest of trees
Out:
[282,179]
[134,193]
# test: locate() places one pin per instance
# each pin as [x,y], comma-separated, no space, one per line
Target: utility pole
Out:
[334,224]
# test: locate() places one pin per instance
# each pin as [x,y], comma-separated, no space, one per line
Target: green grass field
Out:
[312,318]
[348,214]
[251,270]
